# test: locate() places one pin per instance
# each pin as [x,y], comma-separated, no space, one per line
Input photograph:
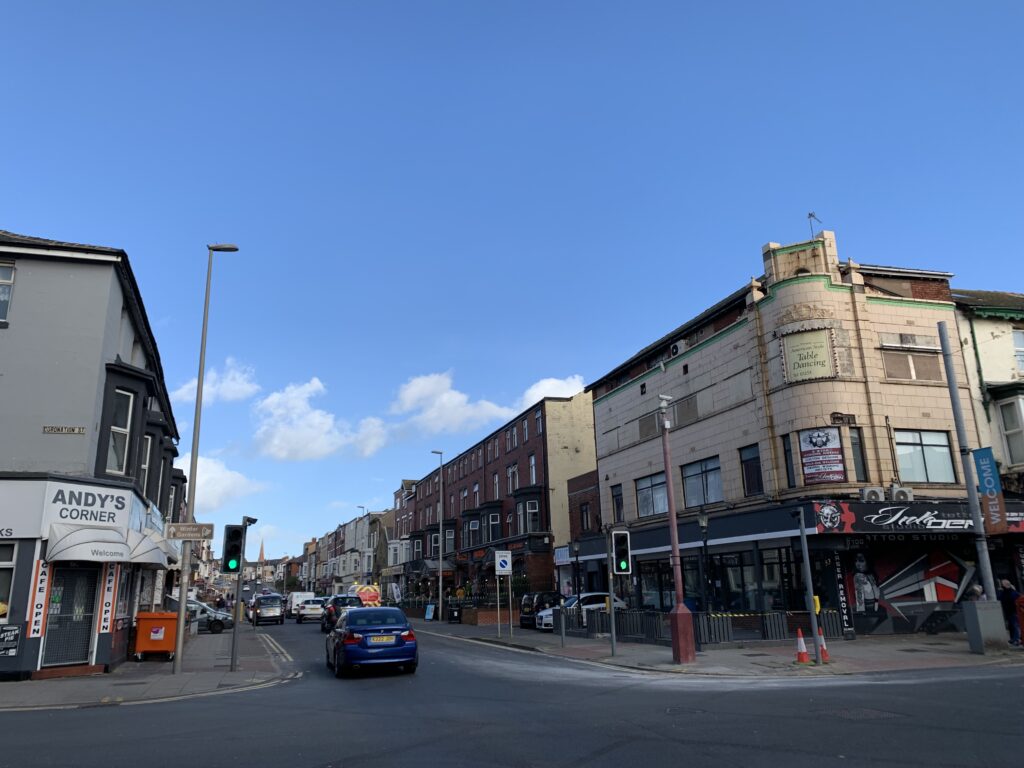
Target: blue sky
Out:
[440,205]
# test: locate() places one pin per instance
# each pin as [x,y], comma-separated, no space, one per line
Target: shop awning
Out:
[146,551]
[83,542]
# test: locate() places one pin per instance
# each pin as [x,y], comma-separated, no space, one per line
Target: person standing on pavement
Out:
[1008,597]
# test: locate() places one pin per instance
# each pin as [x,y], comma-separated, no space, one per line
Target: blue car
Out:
[365,637]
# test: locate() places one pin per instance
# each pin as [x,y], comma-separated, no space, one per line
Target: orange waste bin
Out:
[155,633]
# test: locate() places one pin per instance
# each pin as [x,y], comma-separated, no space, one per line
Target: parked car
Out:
[267,608]
[309,609]
[534,602]
[334,607]
[209,618]
[588,602]
[367,637]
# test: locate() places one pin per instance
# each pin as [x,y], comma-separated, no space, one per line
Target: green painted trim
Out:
[825,280]
[913,302]
[678,358]
[798,247]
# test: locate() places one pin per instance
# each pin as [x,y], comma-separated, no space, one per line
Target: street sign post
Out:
[503,567]
[189,531]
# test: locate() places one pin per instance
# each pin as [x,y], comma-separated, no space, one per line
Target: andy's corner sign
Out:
[39,599]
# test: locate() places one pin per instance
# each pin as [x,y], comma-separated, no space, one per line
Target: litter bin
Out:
[454,614]
[155,633]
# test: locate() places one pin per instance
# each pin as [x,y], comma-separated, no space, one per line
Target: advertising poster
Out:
[807,355]
[821,456]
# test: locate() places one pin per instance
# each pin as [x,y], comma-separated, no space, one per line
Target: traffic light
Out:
[622,562]
[231,562]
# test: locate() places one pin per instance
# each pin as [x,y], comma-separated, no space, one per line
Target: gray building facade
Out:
[86,453]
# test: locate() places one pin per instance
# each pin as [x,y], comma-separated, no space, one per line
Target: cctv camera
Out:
[249,520]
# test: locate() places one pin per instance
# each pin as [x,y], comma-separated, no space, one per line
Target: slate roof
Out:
[988,299]
[13,238]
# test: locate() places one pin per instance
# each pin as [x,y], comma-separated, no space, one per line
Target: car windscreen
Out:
[376,618]
[348,602]
[270,600]
[570,602]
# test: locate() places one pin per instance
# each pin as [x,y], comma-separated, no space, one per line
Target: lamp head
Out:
[223,247]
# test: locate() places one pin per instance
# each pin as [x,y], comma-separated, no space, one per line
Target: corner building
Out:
[86,450]
[817,388]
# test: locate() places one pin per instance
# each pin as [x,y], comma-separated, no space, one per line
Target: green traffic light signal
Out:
[621,553]
[232,564]
[232,558]
[623,565]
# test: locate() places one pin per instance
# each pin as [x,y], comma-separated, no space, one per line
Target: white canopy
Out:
[83,542]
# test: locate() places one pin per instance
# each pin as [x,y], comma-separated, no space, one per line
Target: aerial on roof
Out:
[991,299]
[13,238]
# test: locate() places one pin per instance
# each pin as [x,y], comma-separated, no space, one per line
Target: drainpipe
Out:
[769,415]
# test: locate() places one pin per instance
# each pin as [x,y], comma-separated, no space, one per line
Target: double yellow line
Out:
[276,647]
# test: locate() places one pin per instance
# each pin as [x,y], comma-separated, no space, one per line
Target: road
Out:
[475,705]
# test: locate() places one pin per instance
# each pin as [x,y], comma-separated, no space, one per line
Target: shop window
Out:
[1012,414]
[913,366]
[787,457]
[617,509]
[6,289]
[750,468]
[702,482]
[860,465]
[6,580]
[651,495]
[120,430]
[924,457]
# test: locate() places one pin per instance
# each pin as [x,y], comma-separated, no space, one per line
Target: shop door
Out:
[69,619]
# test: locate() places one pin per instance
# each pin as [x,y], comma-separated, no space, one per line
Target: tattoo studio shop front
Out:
[897,567]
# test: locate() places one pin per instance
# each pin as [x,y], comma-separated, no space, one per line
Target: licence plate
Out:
[378,639]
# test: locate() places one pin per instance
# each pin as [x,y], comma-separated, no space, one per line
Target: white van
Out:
[293,602]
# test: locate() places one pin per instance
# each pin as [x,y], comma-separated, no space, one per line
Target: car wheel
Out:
[411,668]
[340,670]
[298,620]
[216,627]
[281,620]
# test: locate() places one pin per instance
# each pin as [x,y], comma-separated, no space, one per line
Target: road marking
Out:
[275,647]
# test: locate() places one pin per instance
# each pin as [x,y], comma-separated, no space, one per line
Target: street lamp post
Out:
[186,547]
[440,535]
[702,521]
[680,618]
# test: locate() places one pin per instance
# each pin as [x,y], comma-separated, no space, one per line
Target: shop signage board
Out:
[39,599]
[502,562]
[821,456]
[93,505]
[888,518]
[10,637]
[189,531]
[107,606]
[807,355]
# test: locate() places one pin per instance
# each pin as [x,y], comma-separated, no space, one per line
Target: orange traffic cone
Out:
[801,648]
[824,648]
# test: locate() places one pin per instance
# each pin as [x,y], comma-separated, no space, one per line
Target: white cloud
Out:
[290,429]
[236,382]
[567,387]
[216,485]
[437,407]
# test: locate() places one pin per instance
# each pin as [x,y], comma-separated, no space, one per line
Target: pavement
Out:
[206,663]
[264,662]
[866,655]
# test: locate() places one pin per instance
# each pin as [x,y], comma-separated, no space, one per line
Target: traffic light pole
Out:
[611,589]
[238,605]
